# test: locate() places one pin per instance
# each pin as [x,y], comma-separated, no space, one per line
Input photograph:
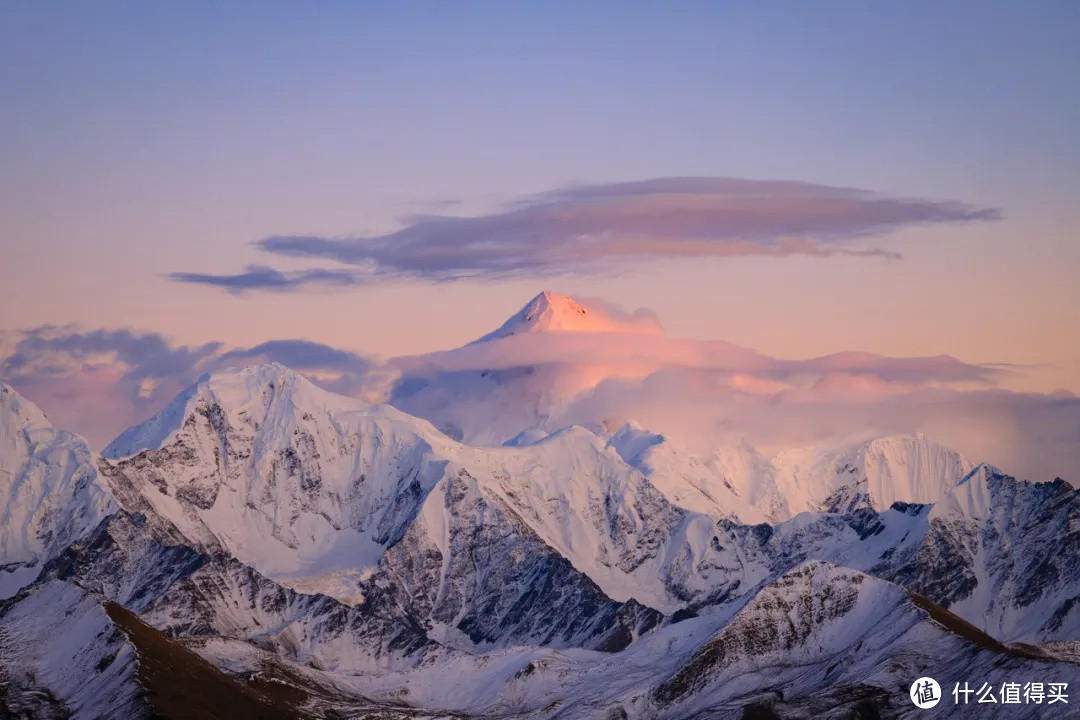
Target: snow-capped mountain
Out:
[823,632]
[311,488]
[1001,553]
[819,641]
[62,654]
[551,312]
[755,485]
[50,492]
[218,506]
[375,565]
[286,477]
[489,405]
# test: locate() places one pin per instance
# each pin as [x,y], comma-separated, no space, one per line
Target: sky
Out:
[384,179]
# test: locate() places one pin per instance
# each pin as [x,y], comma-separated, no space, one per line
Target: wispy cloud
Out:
[590,228]
[259,277]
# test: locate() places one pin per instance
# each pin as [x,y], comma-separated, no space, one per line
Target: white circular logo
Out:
[925,693]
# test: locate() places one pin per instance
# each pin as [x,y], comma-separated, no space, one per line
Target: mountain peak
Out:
[250,387]
[551,312]
[18,412]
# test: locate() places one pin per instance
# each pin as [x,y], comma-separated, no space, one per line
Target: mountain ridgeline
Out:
[310,555]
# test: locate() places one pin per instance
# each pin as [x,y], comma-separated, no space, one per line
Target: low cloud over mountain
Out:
[560,361]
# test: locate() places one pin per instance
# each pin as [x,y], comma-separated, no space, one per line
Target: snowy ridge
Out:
[61,656]
[1001,553]
[253,441]
[819,639]
[571,573]
[827,630]
[288,478]
[874,474]
[144,566]
[686,480]
[971,497]
[755,485]
[303,485]
[50,491]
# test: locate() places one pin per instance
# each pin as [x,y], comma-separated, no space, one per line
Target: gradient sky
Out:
[139,140]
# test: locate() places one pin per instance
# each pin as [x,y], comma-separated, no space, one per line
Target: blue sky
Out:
[429,98]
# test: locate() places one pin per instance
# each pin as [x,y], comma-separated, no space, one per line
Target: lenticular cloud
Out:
[590,228]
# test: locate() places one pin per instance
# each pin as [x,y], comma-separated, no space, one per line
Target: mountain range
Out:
[265,548]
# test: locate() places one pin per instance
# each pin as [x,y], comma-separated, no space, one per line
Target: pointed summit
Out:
[551,312]
[267,391]
[18,413]
[50,492]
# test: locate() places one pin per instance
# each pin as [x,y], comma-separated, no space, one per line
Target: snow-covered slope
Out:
[310,488]
[479,575]
[50,492]
[906,468]
[68,653]
[819,641]
[1003,554]
[288,478]
[61,656]
[754,485]
[570,573]
[144,564]
[822,630]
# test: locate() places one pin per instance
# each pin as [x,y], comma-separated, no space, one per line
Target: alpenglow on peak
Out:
[551,312]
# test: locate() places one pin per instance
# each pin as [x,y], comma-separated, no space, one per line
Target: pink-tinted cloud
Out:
[706,394]
[98,383]
[1036,437]
[589,228]
[627,349]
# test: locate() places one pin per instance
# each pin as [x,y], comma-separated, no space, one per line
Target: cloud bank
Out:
[704,394]
[710,395]
[615,350]
[589,228]
[98,383]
